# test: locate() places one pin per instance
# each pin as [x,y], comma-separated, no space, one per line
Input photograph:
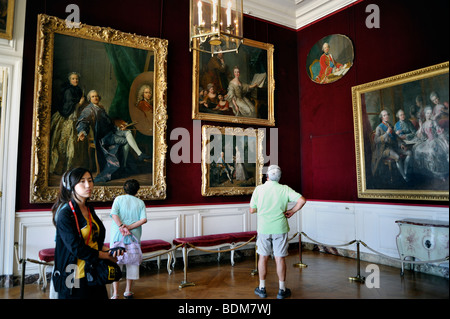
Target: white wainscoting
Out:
[335,223]
[332,223]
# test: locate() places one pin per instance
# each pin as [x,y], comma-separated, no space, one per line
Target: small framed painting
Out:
[235,87]
[232,160]
[6,19]
[330,59]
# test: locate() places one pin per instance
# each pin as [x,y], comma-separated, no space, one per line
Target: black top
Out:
[70,246]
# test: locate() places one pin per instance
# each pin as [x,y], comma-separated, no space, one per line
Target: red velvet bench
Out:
[210,242]
[215,241]
[47,256]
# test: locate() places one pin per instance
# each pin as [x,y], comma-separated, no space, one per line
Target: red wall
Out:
[412,35]
[315,122]
[169,19]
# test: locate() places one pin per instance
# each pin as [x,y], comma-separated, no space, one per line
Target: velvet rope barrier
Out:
[220,251]
[169,252]
[358,277]
[185,282]
[23,262]
[162,253]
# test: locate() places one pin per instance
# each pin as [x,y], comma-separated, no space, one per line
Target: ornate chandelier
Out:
[216,25]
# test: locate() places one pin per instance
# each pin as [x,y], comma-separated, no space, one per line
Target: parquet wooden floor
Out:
[326,277]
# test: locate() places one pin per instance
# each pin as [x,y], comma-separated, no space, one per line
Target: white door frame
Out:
[11,58]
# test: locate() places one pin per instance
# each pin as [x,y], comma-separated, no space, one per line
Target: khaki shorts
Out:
[277,243]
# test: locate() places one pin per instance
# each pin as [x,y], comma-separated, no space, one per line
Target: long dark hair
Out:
[67,188]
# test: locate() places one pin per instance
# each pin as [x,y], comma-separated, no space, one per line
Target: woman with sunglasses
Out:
[79,238]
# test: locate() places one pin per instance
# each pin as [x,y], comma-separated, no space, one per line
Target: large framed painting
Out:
[100,103]
[235,87]
[232,160]
[402,136]
[6,19]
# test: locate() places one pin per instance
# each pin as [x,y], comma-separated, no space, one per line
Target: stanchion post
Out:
[22,283]
[300,264]
[358,277]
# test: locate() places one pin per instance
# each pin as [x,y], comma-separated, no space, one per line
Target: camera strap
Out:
[78,226]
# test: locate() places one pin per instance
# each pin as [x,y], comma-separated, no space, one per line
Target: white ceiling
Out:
[294,14]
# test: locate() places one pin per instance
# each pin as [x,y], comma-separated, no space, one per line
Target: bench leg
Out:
[44,277]
[40,274]
[169,261]
[232,255]
[174,260]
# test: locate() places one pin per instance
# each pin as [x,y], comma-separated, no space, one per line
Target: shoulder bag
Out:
[103,271]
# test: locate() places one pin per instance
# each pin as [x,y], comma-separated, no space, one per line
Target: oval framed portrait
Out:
[330,59]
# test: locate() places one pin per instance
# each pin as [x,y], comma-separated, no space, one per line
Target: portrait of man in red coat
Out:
[328,64]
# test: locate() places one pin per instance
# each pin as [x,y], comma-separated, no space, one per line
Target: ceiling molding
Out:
[294,14]
[277,11]
[308,11]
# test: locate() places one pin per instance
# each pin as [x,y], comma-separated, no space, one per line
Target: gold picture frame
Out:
[232,160]
[253,104]
[6,19]
[89,50]
[403,159]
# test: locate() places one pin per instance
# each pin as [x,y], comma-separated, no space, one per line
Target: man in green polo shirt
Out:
[270,202]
